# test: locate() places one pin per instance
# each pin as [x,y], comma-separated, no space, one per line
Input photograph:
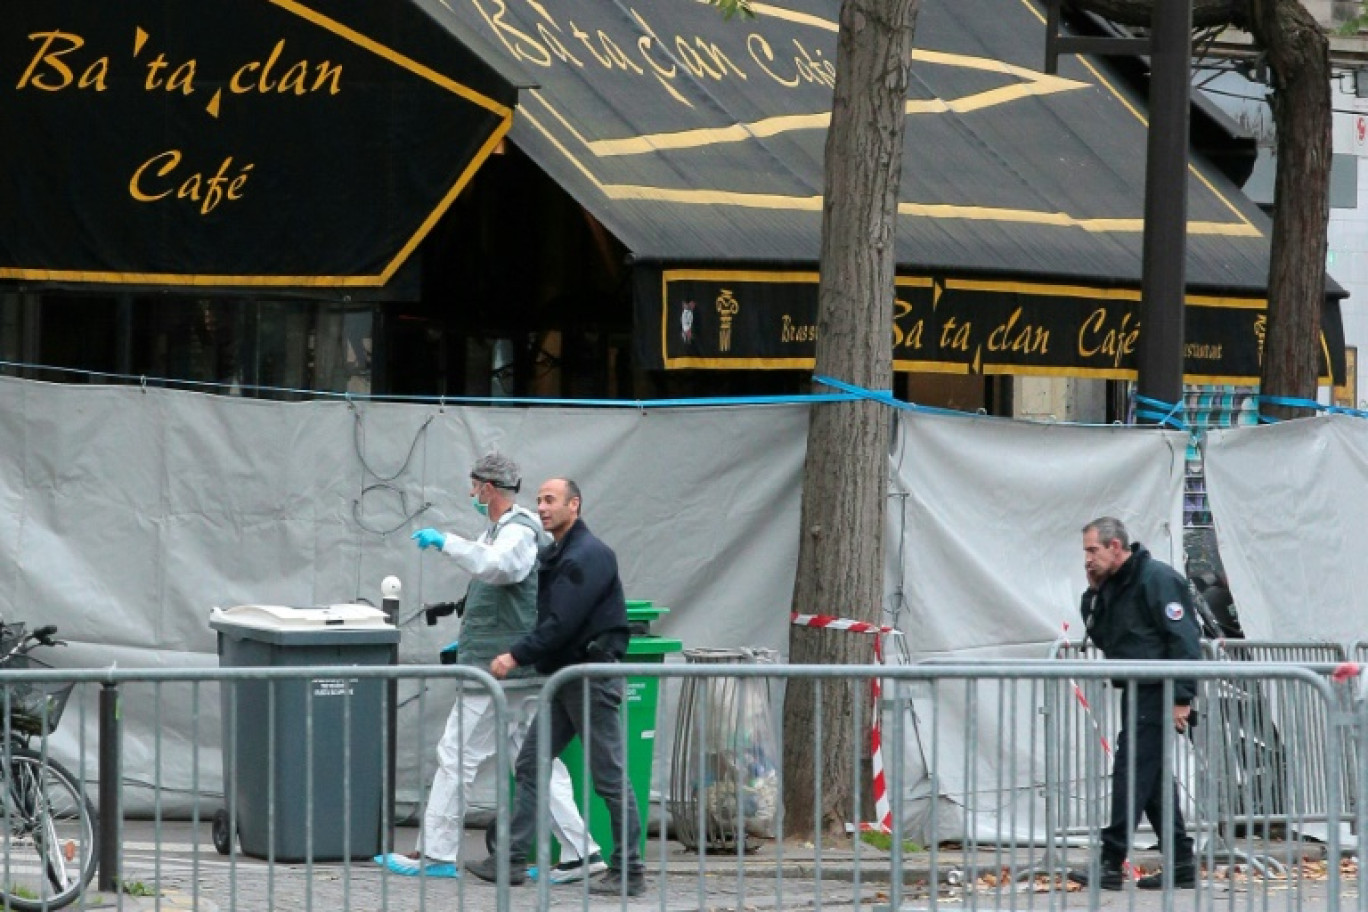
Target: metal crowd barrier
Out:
[1261,764]
[1271,727]
[969,742]
[1274,651]
[990,807]
[1079,727]
[1082,719]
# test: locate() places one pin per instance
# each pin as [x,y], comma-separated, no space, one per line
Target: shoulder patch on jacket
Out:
[1174,611]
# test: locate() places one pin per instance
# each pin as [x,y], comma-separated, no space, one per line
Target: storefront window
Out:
[197,339]
[552,364]
[10,323]
[503,369]
[294,346]
[233,346]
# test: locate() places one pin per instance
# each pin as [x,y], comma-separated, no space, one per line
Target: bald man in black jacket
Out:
[581,617]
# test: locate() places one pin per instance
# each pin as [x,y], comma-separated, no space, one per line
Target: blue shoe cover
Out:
[398,864]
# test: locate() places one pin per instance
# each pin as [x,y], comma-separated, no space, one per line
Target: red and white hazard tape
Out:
[1082,699]
[883,808]
[831,622]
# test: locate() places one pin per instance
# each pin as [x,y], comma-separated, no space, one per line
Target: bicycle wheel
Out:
[50,834]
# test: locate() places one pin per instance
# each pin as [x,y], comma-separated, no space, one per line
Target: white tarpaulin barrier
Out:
[985,525]
[985,549]
[126,514]
[1290,502]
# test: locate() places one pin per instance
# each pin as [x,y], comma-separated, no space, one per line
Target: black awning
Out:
[698,142]
[267,143]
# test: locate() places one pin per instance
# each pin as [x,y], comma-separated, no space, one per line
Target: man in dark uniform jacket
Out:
[1139,608]
[581,617]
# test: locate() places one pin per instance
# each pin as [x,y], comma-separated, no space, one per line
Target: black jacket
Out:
[1144,612]
[579,600]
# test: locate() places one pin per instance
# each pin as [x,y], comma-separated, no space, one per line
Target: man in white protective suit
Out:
[499,607]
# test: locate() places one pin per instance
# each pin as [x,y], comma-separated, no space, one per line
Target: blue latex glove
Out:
[429,538]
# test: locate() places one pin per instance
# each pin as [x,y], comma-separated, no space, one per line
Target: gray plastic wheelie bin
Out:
[303,759]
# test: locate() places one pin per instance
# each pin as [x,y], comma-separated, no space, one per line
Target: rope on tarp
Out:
[440,400]
[887,398]
[1163,412]
[1160,412]
[1305,404]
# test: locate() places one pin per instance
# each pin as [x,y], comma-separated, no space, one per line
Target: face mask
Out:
[481,508]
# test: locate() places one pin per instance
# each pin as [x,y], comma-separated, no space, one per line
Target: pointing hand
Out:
[429,538]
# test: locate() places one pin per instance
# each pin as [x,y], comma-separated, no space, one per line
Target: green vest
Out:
[496,617]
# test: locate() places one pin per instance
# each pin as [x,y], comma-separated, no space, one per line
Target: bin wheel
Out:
[223,835]
[492,838]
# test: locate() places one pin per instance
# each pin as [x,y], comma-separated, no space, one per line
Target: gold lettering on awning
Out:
[727,308]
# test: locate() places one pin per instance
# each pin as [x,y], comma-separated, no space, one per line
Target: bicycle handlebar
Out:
[26,641]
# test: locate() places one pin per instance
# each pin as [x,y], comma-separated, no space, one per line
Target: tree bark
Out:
[845,476]
[1299,58]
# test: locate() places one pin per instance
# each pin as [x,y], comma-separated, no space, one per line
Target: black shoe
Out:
[573,871]
[1108,878]
[488,869]
[1184,878]
[612,883]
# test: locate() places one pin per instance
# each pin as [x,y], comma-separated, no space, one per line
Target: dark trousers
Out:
[1141,745]
[603,736]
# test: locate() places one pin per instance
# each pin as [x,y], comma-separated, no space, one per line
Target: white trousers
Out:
[466,744]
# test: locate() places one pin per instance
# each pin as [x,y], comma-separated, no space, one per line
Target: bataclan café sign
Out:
[736,319]
[232,142]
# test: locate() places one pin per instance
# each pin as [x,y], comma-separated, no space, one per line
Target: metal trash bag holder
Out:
[724,783]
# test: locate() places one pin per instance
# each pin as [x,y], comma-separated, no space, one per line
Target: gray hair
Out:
[1107,529]
[497,469]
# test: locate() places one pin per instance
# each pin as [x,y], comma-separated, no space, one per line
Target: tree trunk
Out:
[845,475]
[1299,58]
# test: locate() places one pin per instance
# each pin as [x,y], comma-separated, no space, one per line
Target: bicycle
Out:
[47,823]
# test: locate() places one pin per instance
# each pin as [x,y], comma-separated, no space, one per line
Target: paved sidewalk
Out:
[178,869]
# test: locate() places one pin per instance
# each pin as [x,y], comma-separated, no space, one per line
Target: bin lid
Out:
[284,618]
[732,655]
[640,610]
[639,646]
